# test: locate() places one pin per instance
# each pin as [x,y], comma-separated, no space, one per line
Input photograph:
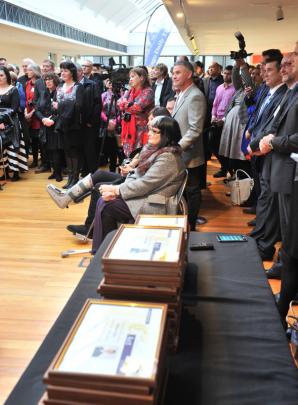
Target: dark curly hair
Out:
[72,68]
[6,72]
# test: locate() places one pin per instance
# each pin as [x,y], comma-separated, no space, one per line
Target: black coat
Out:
[92,103]
[167,91]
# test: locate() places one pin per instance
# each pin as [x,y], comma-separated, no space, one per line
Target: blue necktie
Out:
[264,105]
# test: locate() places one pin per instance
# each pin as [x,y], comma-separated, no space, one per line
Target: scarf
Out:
[129,130]
[150,153]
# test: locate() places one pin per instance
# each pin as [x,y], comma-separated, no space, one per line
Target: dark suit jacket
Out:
[262,122]
[282,165]
[167,91]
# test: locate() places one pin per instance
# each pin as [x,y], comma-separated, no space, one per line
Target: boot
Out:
[69,168]
[64,198]
[69,181]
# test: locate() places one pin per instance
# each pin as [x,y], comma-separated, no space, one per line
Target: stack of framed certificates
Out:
[113,355]
[146,263]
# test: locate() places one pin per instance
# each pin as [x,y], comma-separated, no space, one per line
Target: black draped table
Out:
[232,350]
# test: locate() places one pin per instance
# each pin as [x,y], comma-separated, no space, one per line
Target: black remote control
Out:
[202,246]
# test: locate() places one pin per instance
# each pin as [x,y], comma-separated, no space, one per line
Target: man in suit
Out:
[264,118]
[190,112]
[163,86]
[90,119]
[282,167]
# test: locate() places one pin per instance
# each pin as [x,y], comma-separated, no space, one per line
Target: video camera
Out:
[119,77]
[241,54]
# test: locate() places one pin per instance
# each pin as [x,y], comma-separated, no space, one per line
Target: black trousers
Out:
[214,143]
[193,195]
[100,177]
[90,155]
[289,283]
[267,230]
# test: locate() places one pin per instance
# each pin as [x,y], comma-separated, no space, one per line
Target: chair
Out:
[182,204]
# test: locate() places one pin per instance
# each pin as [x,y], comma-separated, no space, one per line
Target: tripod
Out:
[107,139]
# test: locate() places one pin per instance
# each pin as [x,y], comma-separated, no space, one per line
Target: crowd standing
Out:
[246,116]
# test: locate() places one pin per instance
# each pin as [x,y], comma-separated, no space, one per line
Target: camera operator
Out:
[135,106]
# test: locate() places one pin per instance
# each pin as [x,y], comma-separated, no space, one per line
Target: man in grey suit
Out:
[190,112]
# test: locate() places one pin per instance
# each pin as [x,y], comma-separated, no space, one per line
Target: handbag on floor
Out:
[241,188]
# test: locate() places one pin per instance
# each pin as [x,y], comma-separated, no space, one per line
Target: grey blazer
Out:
[190,115]
[155,191]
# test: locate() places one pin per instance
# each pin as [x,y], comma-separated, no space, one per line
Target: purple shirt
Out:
[222,100]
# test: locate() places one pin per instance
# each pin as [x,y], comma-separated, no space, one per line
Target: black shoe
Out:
[201,220]
[69,181]
[80,229]
[274,273]
[58,177]
[219,174]
[42,169]
[253,222]
[250,210]
[52,176]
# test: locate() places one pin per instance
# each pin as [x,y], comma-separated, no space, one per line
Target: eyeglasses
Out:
[88,66]
[154,131]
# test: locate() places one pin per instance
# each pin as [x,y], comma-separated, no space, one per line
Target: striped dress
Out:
[15,159]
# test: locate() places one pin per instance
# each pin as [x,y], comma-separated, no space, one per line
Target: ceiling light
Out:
[179,15]
[279,13]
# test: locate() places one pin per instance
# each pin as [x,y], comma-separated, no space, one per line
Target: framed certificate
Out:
[162,220]
[114,341]
[137,243]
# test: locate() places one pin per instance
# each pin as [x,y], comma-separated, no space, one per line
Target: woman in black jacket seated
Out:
[69,107]
[48,115]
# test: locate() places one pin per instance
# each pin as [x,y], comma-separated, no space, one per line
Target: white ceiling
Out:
[214,22]
[15,36]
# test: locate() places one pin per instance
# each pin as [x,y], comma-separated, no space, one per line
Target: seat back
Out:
[182,205]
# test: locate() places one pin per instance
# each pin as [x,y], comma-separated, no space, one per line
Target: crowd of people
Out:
[164,123]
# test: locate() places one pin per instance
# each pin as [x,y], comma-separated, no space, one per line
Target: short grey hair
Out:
[35,69]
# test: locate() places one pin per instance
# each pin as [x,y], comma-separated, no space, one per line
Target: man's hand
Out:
[264,144]
[47,122]
[254,153]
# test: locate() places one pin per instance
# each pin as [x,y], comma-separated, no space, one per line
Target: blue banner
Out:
[156,45]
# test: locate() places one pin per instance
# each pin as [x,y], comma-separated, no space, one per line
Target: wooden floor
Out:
[35,282]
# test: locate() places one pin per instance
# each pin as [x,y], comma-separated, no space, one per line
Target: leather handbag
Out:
[240,188]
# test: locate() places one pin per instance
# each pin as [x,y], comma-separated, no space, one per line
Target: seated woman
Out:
[150,188]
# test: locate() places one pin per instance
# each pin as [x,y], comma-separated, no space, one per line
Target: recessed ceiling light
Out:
[179,15]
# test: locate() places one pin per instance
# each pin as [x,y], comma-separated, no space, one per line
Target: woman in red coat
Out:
[135,106]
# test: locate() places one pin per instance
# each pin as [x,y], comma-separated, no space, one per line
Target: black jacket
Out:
[167,91]
[92,104]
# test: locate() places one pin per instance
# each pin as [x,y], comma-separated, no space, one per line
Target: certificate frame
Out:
[106,259]
[152,216]
[53,372]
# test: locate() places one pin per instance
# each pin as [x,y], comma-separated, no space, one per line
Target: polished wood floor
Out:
[35,282]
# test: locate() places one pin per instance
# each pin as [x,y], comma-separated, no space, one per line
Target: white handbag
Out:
[240,188]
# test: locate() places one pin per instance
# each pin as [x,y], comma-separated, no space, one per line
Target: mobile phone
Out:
[227,238]
[202,246]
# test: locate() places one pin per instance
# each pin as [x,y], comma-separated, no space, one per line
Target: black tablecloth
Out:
[232,347]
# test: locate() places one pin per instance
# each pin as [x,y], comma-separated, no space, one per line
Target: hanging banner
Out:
[156,42]
[158,30]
